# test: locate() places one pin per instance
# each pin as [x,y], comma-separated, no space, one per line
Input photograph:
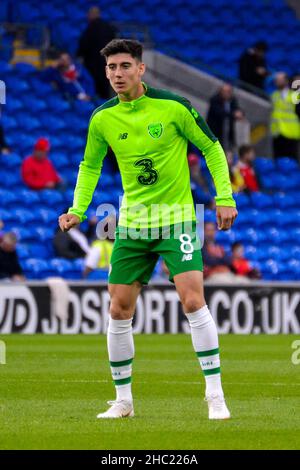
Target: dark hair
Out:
[245,149]
[261,46]
[236,245]
[127,46]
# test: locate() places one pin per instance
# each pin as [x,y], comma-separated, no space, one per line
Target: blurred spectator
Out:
[222,114]
[71,245]
[65,77]
[200,191]
[1,231]
[236,179]
[96,35]
[4,148]
[245,166]
[38,171]
[9,264]
[240,265]
[285,125]
[99,254]
[252,64]
[216,262]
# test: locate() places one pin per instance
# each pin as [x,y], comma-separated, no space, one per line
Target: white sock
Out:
[206,345]
[121,352]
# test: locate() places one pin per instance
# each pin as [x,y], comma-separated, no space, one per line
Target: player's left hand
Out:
[225,217]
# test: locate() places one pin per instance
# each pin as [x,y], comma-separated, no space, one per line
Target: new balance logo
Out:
[207,364]
[123,136]
[187,257]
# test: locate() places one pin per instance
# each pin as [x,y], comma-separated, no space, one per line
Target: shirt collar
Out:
[132,103]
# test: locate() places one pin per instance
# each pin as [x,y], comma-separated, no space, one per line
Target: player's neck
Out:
[133,94]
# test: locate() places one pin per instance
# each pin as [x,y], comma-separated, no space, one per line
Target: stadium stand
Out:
[269,221]
[189,30]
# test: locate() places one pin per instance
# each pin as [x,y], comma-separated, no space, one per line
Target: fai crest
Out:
[155,130]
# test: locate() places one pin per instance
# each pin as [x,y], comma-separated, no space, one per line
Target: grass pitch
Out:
[52,387]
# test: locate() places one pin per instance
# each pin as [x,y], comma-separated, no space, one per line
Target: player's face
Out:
[124,72]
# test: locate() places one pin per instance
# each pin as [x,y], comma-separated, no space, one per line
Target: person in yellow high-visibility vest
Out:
[98,257]
[285,124]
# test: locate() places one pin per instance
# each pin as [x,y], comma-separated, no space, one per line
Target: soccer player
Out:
[148,130]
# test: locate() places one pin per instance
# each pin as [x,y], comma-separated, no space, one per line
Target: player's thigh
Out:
[123,299]
[189,286]
[131,261]
[181,250]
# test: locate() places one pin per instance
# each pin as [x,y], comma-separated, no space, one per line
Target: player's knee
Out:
[120,310]
[192,302]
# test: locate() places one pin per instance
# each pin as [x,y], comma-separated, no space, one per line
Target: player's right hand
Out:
[67,221]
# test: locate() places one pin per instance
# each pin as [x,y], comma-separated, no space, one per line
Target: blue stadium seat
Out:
[62,266]
[227,237]
[295,252]
[24,216]
[42,90]
[36,268]
[263,219]
[209,215]
[11,162]
[23,251]
[289,218]
[40,250]
[61,161]
[243,219]
[9,123]
[25,235]
[253,253]
[287,200]
[10,179]
[242,200]
[294,236]
[28,197]
[29,123]
[53,123]
[8,199]
[73,143]
[18,86]
[24,69]
[246,236]
[264,166]
[261,200]
[287,165]
[43,234]
[51,198]
[98,275]
[48,216]
[77,268]
[13,105]
[7,216]
[35,104]
[57,104]
[294,267]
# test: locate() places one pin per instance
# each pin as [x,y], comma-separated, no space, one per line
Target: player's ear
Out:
[107,72]
[142,68]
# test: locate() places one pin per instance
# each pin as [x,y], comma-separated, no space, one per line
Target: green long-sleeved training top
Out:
[149,137]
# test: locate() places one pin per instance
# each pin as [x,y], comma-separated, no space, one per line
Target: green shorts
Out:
[135,259]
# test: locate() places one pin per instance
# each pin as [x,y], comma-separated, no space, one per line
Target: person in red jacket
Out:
[245,166]
[240,265]
[38,171]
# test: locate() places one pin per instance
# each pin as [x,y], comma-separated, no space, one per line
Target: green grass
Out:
[52,387]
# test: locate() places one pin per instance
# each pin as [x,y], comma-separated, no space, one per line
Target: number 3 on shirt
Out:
[148,174]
